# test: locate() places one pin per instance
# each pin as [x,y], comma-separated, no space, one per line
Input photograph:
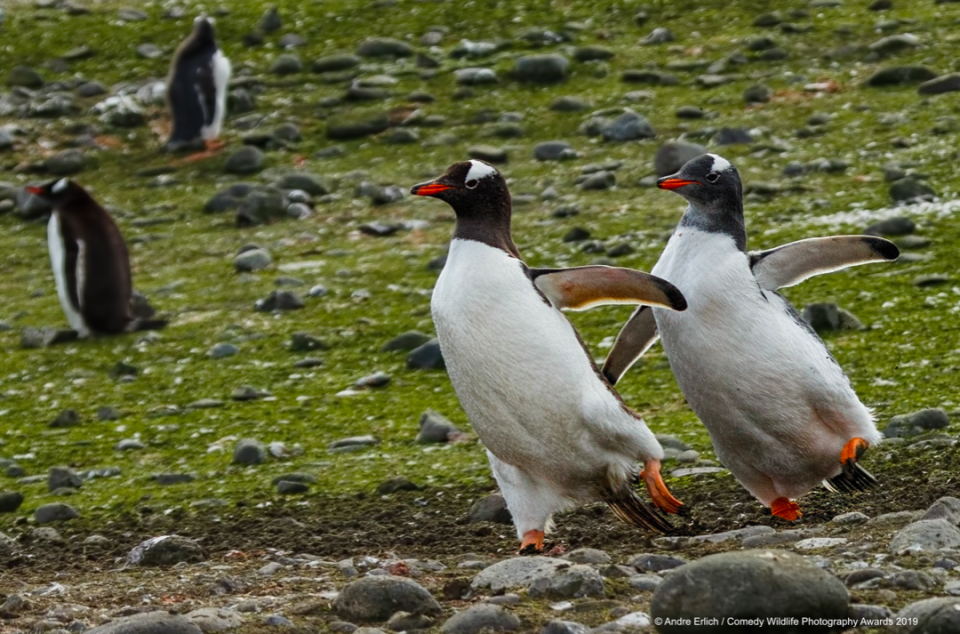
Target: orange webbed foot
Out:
[532,543]
[657,489]
[852,451]
[785,509]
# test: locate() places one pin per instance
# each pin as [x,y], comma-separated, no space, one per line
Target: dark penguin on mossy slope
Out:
[91,264]
[197,90]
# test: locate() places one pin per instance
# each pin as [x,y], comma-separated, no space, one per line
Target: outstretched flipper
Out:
[585,286]
[792,263]
[628,506]
[635,338]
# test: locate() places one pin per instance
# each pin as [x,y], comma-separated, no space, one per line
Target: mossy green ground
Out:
[906,361]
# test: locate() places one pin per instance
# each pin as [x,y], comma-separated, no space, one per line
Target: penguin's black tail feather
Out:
[852,479]
[146,324]
[629,507]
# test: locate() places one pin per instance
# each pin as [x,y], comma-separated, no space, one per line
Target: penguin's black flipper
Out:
[585,286]
[629,507]
[635,338]
[792,263]
[207,91]
[850,480]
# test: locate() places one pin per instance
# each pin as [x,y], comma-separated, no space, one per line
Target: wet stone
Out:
[435,428]
[426,357]
[378,598]
[61,477]
[406,341]
[55,512]
[491,508]
[481,618]
[10,501]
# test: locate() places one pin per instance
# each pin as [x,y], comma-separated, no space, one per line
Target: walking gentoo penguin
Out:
[90,263]
[197,89]
[556,432]
[780,411]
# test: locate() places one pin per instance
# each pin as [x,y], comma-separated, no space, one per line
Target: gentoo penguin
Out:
[90,263]
[780,411]
[197,89]
[556,433]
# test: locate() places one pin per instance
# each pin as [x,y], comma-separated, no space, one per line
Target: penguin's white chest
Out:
[221,79]
[56,244]
[515,362]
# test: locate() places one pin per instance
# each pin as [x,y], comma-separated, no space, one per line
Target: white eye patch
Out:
[59,186]
[720,164]
[478,170]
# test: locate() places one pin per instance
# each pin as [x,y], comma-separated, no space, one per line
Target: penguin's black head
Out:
[710,182]
[473,188]
[203,32]
[59,192]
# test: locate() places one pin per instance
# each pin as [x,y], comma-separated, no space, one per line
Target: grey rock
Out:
[659,35]
[850,519]
[587,556]
[925,536]
[894,43]
[644,583]
[166,550]
[475,76]
[598,181]
[629,126]
[55,512]
[156,622]
[651,562]
[689,112]
[396,484]
[574,582]
[758,93]
[406,341]
[246,160]
[356,124]
[404,621]
[24,76]
[249,451]
[564,627]
[541,69]
[271,20]
[279,300]
[66,418]
[214,619]
[862,575]
[489,618]
[91,89]
[758,583]
[278,620]
[286,64]
[553,151]
[905,425]
[732,136]
[384,47]
[287,487]
[61,477]
[378,598]
[434,428]
[900,75]
[426,357]
[43,337]
[592,54]
[946,508]
[515,572]
[305,342]
[569,104]
[311,183]
[899,226]
[7,546]
[335,63]
[861,611]
[491,508]
[353,443]
[66,163]
[488,153]
[148,50]
[222,350]
[940,85]
[672,155]
[10,501]
[933,616]
[255,259]
[172,478]
[909,188]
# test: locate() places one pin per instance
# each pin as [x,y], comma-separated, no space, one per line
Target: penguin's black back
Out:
[105,291]
[191,90]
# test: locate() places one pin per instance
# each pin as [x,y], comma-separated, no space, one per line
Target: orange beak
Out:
[36,191]
[674,183]
[429,189]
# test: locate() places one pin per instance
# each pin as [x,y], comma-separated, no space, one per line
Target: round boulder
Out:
[378,598]
[933,616]
[748,584]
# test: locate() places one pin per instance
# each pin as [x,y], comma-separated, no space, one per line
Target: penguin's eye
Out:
[713,177]
[472,183]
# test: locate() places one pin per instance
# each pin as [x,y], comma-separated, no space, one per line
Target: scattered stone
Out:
[925,536]
[24,76]
[63,477]
[629,126]
[655,562]
[553,151]
[249,451]
[279,300]
[940,85]
[156,622]
[492,508]
[849,519]
[384,47]
[214,619]
[541,69]
[569,104]
[732,136]
[426,357]
[10,501]
[222,350]
[406,341]
[909,188]
[758,93]
[573,582]
[31,338]
[929,616]
[380,597]
[899,226]
[435,428]
[488,153]
[946,508]
[516,572]
[55,512]
[672,155]
[588,556]
[900,75]
[335,63]
[482,617]
[166,550]
[66,418]
[659,35]
[759,583]
[354,443]
[905,425]
[247,160]
[475,76]
[356,124]
[66,163]
[251,260]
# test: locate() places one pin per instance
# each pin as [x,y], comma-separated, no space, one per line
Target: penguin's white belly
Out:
[221,79]
[522,376]
[777,406]
[58,259]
